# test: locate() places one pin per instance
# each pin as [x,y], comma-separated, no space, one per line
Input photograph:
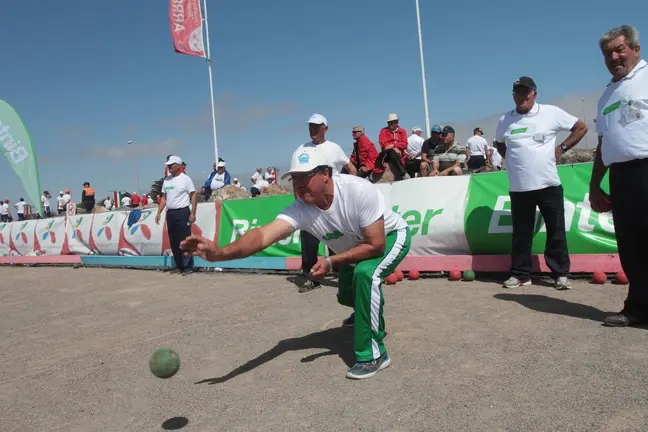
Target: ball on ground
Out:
[621,278]
[455,275]
[414,274]
[164,363]
[468,275]
[399,275]
[599,277]
[391,279]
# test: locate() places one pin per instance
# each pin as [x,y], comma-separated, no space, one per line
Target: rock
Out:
[576,156]
[229,192]
[275,189]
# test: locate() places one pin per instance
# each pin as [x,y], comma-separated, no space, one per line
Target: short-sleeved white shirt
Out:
[178,191]
[4,208]
[45,201]
[531,145]
[335,156]
[622,117]
[414,144]
[357,204]
[20,207]
[218,181]
[477,145]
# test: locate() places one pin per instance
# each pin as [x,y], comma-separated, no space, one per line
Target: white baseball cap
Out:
[416,129]
[306,159]
[173,160]
[61,193]
[220,164]
[318,119]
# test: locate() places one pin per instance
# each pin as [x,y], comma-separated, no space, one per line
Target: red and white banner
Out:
[186,27]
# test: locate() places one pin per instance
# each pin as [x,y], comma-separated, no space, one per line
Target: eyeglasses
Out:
[303,178]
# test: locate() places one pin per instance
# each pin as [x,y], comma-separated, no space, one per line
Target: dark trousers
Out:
[89,205]
[476,162]
[309,247]
[629,193]
[179,228]
[551,203]
[21,216]
[393,159]
[412,166]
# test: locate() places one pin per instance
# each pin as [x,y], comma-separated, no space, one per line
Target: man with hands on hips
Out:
[350,215]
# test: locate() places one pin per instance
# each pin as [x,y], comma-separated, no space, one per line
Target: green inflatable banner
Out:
[17,148]
[488,226]
[239,216]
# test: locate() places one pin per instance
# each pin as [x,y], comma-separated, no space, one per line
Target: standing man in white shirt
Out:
[622,125]
[350,215]
[476,150]
[413,152]
[59,203]
[337,160]
[20,209]
[178,194]
[4,211]
[45,200]
[526,137]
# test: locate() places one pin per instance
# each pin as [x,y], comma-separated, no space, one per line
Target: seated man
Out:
[364,153]
[449,158]
[393,142]
[218,178]
[413,152]
[427,151]
[349,215]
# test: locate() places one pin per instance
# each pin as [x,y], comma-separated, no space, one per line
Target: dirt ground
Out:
[257,355]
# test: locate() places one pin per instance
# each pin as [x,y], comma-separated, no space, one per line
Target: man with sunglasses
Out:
[526,138]
[350,215]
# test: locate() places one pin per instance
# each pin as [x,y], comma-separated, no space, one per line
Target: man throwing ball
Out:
[351,217]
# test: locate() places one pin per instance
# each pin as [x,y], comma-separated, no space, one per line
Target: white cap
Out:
[235,179]
[318,119]
[61,193]
[221,164]
[306,159]
[173,160]
[416,129]
[392,117]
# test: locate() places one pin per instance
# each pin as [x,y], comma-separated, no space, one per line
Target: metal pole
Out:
[585,120]
[425,98]
[211,83]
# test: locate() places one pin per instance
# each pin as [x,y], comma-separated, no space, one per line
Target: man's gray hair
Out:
[631,36]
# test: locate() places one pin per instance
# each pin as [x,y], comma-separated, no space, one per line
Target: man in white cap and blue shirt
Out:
[337,160]
[350,215]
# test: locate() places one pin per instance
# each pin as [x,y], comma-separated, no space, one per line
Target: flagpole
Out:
[211,83]
[425,98]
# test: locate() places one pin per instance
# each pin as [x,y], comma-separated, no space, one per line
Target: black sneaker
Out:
[174,271]
[350,321]
[309,286]
[363,370]
[187,272]
[622,319]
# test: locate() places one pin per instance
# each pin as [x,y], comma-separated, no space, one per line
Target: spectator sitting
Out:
[218,178]
[255,177]
[135,200]
[270,175]
[145,200]
[413,152]
[427,151]
[238,185]
[393,142]
[364,153]
[126,201]
[259,187]
[450,158]
[107,203]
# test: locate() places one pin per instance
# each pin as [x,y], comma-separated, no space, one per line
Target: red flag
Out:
[185,17]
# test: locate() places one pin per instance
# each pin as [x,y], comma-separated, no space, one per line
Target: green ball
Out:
[469,275]
[164,363]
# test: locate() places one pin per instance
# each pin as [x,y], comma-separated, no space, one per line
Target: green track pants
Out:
[360,287]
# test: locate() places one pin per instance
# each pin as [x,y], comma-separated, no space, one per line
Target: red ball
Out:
[455,275]
[599,278]
[399,274]
[621,278]
[391,279]
[414,274]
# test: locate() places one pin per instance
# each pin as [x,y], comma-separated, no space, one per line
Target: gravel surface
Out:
[256,355]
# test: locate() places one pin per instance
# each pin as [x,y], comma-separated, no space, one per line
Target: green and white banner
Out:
[17,148]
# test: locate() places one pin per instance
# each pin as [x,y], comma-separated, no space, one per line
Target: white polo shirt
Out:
[177,191]
[622,117]
[335,156]
[477,145]
[531,145]
[415,144]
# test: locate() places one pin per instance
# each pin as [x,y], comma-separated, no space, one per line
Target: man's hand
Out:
[599,200]
[157,219]
[397,151]
[201,247]
[363,168]
[192,217]
[558,153]
[320,269]
[434,173]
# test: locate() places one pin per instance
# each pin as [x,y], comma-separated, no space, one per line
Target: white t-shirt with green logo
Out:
[531,145]
[357,204]
[178,190]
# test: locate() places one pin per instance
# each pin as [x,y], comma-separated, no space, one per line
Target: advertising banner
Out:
[185,17]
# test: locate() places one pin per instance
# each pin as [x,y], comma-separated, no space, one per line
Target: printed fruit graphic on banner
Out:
[76,232]
[105,229]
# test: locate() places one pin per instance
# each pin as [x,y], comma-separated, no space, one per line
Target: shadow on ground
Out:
[299,281]
[337,341]
[556,306]
[175,423]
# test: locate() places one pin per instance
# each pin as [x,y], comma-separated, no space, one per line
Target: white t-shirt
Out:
[20,207]
[415,144]
[66,199]
[126,201]
[531,145]
[357,204]
[59,201]
[269,176]
[4,209]
[477,145]
[218,181]
[622,117]
[496,158]
[335,156]
[255,177]
[108,204]
[45,201]
[177,191]
[260,184]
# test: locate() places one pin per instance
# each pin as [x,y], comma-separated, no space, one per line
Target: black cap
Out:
[525,81]
[478,129]
[448,129]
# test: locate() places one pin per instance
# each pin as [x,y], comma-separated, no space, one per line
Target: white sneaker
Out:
[514,282]
[562,283]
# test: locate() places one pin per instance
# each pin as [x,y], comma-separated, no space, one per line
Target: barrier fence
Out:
[456,222]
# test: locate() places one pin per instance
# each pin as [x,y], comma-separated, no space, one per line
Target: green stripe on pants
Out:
[360,287]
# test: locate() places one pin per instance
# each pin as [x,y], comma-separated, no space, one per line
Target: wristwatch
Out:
[564,148]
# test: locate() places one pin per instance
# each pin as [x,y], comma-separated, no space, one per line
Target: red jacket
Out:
[398,138]
[364,153]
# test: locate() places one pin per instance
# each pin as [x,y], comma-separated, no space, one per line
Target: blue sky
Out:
[86,77]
